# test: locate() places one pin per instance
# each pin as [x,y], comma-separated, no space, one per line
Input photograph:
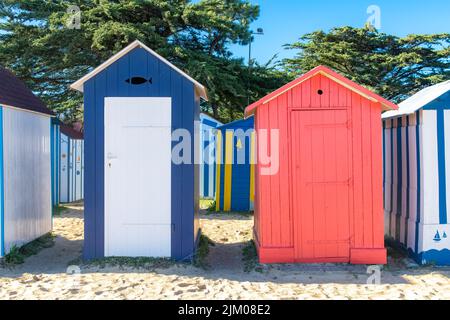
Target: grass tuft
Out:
[202,252]
[17,255]
[137,263]
[250,257]
[59,210]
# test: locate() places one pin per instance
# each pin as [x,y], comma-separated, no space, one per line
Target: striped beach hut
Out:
[208,126]
[416,141]
[71,165]
[235,171]
[25,164]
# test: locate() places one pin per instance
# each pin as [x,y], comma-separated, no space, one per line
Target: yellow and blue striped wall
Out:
[416,151]
[208,126]
[235,169]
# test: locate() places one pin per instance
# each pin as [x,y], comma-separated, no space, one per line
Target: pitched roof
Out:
[78,85]
[208,117]
[419,100]
[241,123]
[327,72]
[14,93]
[71,132]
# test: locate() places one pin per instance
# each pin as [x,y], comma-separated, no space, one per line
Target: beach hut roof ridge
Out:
[78,85]
[419,100]
[14,93]
[327,72]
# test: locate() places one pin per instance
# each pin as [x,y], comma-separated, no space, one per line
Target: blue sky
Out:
[284,21]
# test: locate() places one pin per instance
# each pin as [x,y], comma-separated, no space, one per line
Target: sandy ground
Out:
[44,276]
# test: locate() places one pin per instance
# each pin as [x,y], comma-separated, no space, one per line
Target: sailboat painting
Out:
[437,237]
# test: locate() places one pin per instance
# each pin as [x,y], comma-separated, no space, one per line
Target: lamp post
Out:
[259,32]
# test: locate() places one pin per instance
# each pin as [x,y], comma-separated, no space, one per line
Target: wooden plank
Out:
[274,180]
[286,221]
[218,168]
[377,176]
[228,170]
[325,87]
[315,87]
[367,159]
[343,173]
[332,147]
[306,172]
[358,217]
[306,94]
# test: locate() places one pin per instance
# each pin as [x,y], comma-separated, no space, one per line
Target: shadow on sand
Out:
[225,262]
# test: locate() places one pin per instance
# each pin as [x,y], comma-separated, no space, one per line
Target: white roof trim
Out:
[27,110]
[419,100]
[78,85]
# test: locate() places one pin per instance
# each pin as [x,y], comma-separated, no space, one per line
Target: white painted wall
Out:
[27,176]
[430,167]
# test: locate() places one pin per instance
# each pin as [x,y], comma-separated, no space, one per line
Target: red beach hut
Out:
[323,203]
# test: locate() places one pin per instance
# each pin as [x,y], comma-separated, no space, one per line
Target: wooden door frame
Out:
[294,217]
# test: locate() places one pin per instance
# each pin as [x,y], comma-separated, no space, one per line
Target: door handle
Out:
[111,156]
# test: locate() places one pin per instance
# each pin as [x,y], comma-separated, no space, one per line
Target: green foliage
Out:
[37,45]
[207,204]
[59,209]
[391,66]
[127,262]
[250,257]
[212,206]
[17,255]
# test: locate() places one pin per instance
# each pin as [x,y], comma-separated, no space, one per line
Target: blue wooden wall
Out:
[208,172]
[166,82]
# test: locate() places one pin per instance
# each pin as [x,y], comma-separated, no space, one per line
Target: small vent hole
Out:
[320,92]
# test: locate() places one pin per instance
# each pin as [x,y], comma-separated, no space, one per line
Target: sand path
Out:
[44,275]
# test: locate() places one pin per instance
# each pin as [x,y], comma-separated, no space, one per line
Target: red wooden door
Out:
[321,184]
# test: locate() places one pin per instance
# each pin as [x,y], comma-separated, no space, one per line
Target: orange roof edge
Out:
[387,105]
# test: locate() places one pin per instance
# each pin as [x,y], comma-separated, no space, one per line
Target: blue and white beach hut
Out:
[417,174]
[208,126]
[138,202]
[71,165]
[25,164]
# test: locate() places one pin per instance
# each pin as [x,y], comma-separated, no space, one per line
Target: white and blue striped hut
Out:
[25,164]
[71,165]
[416,174]
[208,126]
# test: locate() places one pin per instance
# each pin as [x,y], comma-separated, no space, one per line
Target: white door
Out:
[77,159]
[138,177]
